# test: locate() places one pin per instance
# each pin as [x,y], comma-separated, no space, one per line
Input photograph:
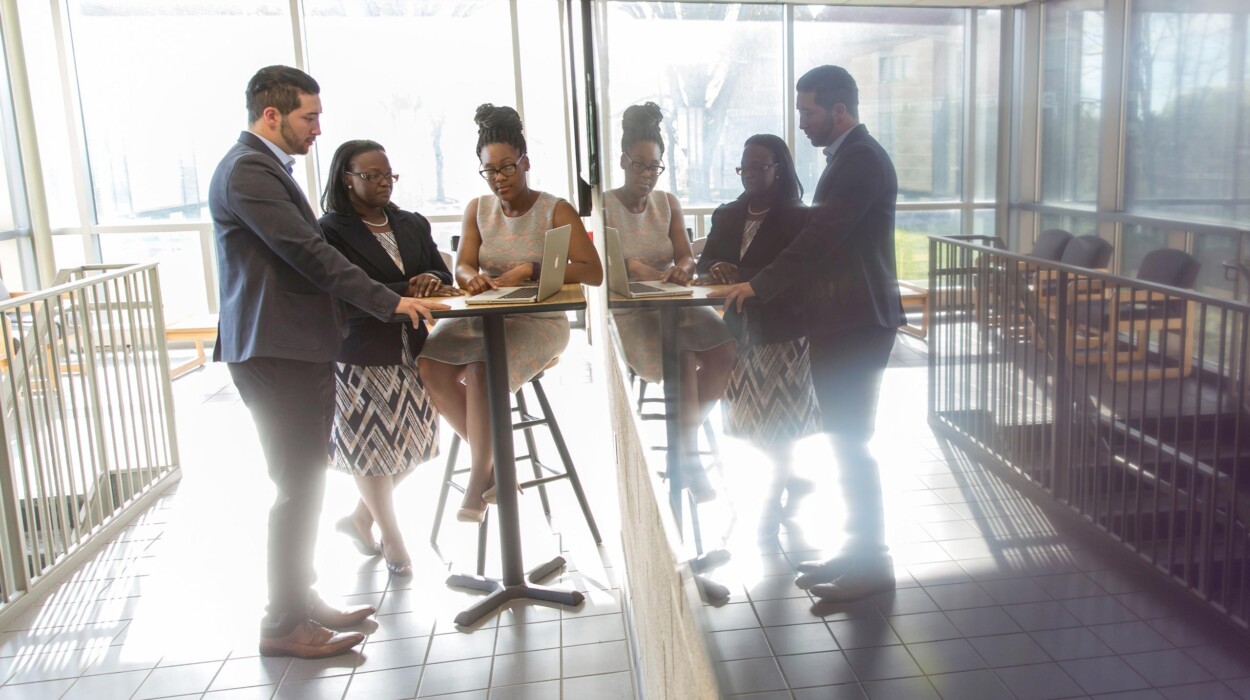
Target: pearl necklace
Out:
[385,221]
[750,211]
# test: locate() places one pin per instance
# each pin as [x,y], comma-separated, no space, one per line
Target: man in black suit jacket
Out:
[281,324]
[844,259]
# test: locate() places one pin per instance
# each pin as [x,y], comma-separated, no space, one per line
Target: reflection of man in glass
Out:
[844,258]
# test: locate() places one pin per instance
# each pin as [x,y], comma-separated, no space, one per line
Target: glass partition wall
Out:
[1174,75]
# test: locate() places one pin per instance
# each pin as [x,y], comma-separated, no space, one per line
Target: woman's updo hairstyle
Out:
[641,123]
[498,125]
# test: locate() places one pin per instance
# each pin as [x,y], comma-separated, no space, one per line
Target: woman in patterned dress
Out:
[770,394]
[501,246]
[384,423]
[652,229]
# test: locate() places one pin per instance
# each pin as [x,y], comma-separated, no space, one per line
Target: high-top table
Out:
[513,585]
[670,362]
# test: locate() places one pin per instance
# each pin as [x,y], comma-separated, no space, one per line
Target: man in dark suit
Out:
[844,259]
[281,324]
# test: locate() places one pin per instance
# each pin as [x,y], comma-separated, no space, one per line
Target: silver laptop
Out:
[555,258]
[618,275]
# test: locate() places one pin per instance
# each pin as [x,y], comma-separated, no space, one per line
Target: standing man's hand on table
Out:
[735,295]
[417,310]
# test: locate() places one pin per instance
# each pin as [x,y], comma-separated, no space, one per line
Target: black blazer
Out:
[781,318]
[843,258]
[370,341]
[278,279]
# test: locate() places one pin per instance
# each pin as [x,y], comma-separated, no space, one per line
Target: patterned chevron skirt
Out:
[384,422]
[770,393]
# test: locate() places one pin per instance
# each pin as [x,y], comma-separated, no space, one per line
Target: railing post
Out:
[1061,436]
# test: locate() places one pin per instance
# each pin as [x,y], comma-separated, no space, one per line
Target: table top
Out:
[569,298]
[699,298]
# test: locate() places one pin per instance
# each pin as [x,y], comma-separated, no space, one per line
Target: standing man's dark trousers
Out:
[847,367]
[292,404]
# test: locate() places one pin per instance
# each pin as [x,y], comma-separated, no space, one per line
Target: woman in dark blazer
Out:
[384,422]
[770,395]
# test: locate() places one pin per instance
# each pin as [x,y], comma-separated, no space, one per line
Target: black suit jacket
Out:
[278,279]
[371,341]
[843,258]
[780,318]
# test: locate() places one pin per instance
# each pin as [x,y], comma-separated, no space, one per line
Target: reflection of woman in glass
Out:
[653,240]
[771,400]
[383,422]
[501,246]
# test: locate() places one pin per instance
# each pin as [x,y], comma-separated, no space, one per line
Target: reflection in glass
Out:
[654,248]
[692,59]
[1071,100]
[771,399]
[908,64]
[1184,112]
[137,60]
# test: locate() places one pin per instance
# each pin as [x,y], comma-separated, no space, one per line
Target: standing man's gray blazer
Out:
[278,289]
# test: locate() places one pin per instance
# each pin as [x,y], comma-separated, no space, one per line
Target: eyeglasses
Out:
[490,173]
[376,177]
[640,168]
[755,169]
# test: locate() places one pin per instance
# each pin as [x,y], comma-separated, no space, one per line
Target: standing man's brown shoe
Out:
[326,615]
[310,640]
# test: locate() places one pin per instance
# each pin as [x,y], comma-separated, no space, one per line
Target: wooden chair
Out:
[914,298]
[197,329]
[1126,318]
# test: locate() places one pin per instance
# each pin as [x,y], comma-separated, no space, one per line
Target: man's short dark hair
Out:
[832,84]
[278,87]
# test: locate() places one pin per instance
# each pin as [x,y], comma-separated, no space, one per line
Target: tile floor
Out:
[993,601]
[170,607]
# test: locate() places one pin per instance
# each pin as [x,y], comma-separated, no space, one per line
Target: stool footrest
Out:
[529,423]
[543,481]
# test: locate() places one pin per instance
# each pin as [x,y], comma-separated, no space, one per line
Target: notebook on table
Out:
[618,276]
[555,259]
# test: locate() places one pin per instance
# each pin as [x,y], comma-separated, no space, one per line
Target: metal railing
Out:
[1124,400]
[88,421]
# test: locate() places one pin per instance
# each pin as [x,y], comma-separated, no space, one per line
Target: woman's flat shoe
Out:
[471,515]
[490,495]
[347,527]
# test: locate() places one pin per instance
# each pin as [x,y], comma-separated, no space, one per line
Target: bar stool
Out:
[709,434]
[543,473]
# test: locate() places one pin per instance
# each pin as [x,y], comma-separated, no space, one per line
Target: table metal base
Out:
[499,594]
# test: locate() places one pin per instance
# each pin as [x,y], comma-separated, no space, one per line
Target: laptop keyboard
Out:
[520,293]
[640,288]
